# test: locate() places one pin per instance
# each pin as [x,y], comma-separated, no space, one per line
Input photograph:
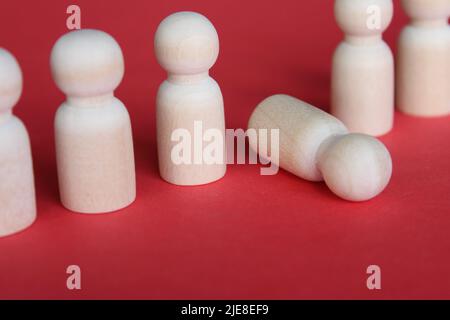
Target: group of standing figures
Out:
[94,144]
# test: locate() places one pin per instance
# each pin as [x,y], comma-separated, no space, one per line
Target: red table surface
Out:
[246,236]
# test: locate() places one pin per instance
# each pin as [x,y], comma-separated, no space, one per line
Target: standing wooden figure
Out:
[423,77]
[189,104]
[17,194]
[363,67]
[94,142]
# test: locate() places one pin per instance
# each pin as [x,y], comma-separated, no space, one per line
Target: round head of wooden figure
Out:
[427,9]
[363,18]
[356,167]
[87,63]
[10,82]
[186,43]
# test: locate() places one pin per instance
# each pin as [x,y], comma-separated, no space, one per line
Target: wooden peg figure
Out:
[363,67]
[423,74]
[190,112]
[318,147]
[17,193]
[94,143]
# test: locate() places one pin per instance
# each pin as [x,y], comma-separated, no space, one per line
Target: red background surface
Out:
[247,236]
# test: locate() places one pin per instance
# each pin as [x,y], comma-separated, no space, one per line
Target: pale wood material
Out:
[316,146]
[423,74]
[17,194]
[187,46]
[94,144]
[363,67]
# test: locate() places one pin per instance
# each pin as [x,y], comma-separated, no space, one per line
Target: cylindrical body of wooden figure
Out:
[95,159]
[303,129]
[94,144]
[200,113]
[363,68]
[17,193]
[423,74]
[316,146]
[190,110]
